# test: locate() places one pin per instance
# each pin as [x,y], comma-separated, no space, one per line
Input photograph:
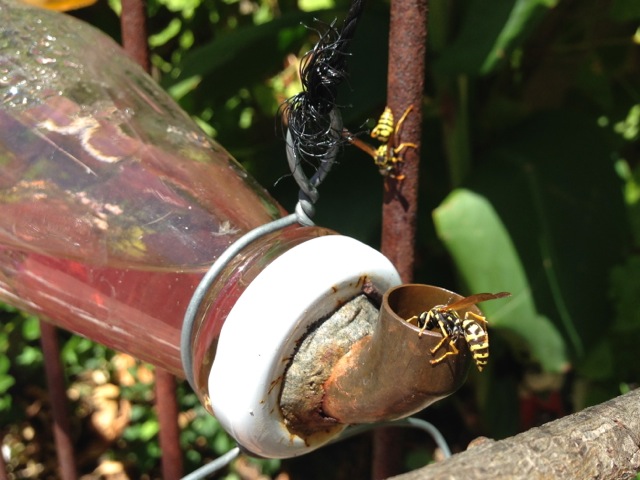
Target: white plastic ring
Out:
[259,336]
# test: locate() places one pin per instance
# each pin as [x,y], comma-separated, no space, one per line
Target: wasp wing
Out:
[473,299]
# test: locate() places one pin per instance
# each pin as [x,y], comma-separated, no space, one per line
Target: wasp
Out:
[387,155]
[473,327]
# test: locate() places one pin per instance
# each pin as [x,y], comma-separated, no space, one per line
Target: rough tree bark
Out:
[601,442]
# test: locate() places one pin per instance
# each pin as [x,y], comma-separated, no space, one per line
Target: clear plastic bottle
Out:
[113,205]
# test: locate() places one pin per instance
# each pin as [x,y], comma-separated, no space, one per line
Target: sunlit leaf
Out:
[186,7]
[31,328]
[489,32]
[313,5]
[170,31]
[149,429]
[553,185]
[29,355]
[243,51]
[6,381]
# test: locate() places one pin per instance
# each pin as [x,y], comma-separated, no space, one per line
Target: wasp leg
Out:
[394,159]
[445,335]
[400,122]
[400,148]
[422,329]
[388,172]
[454,351]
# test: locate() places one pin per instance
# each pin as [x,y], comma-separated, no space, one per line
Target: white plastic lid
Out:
[260,333]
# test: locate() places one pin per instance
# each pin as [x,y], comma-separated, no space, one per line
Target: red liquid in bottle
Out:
[113,204]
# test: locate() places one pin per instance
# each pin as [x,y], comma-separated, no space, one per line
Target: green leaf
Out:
[31,328]
[6,382]
[75,350]
[487,260]
[552,185]
[29,355]
[222,443]
[313,5]
[625,10]
[148,430]
[169,32]
[490,31]
[242,56]
[600,363]
[206,425]
[625,289]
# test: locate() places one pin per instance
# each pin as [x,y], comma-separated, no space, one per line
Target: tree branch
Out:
[601,442]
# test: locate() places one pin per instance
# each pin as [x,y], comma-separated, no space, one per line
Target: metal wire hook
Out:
[309,186]
[304,212]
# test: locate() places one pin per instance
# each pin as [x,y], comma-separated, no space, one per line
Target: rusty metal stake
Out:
[167,405]
[407,39]
[58,397]
[133,22]
[407,47]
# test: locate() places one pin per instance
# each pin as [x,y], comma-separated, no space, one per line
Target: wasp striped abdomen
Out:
[385,128]
[477,339]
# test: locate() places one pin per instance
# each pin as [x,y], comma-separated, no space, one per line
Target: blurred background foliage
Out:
[530,183]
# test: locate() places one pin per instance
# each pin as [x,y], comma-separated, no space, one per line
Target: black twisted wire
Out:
[312,118]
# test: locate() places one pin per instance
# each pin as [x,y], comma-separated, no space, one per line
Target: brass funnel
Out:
[388,375]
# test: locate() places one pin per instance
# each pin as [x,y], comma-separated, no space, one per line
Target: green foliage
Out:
[6,381]
[19,353]
[530,180]
[490,33]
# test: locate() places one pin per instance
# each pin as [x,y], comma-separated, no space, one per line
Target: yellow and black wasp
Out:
[387,155]
[473,327]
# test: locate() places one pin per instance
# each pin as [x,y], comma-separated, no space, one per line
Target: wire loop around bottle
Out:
[205,284]
[304,211]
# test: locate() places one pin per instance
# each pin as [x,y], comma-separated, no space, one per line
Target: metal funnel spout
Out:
[366,363]
[388,375]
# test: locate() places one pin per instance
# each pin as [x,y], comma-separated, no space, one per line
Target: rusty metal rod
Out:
[169,433]
[167,407]
[58,397]
[407,39]
[133,23]
[406,69]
